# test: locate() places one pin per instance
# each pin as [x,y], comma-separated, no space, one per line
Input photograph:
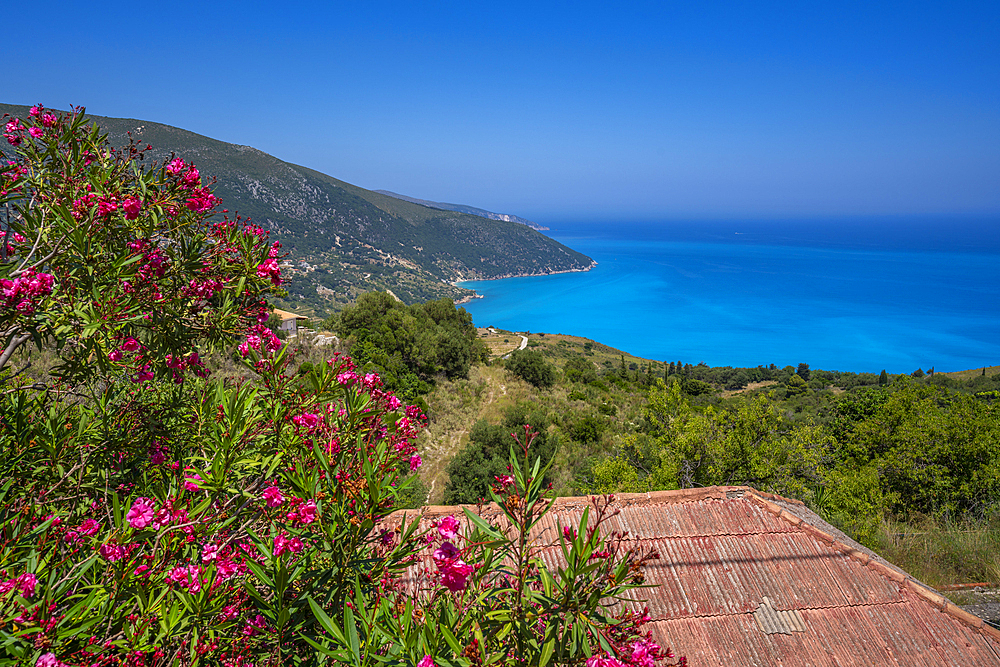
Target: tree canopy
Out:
[410,345]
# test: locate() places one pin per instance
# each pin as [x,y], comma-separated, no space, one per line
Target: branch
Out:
[16,341]
[34,247]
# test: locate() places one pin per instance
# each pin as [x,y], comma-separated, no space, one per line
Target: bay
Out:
[851,295]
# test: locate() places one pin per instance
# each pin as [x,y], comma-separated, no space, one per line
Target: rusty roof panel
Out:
[739,516]
[894,635]
[731,574]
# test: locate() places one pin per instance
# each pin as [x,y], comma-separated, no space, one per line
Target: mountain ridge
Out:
[464,208]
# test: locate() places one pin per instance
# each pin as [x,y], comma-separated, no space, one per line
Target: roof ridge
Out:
[695,494]
[916,586]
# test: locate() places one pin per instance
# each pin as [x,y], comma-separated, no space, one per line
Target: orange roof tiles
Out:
[723,550]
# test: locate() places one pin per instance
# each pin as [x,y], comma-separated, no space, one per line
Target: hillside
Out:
[463,208]
[344,240]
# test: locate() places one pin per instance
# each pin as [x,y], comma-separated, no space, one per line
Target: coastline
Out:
[476,295]
[593,263]
[467,299]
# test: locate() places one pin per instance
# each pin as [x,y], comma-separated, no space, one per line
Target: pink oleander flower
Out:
[89,527]
[307,512]
[645,653]
[141,514]
[426,661]
[24,583]
[132,206]
[158,454]
[163,518]
[49,660]
[254,626]
[115,355]
[112,552]
[144,375]
[308,421]
[347,378]
[226,568]
[106,207]
[186,576]
[130,344]
[270,268]
[192,179]
[48,120]
[604,661]
[36,132]
[209,552]
[415,462]
[201,200]
[176,166]
[454,571]
[35,110]
[191,480]
[284,544]
[272,496]
[448,528]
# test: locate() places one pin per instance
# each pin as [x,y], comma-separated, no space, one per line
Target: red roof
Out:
[748,578]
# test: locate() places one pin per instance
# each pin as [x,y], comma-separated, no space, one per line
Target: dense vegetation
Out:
[153,515]
[409,345]
[478,467]
[865,452]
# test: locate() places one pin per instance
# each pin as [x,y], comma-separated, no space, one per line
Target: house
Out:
[289,321]
[749,578]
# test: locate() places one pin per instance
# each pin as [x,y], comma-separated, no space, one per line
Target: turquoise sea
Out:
[857,295]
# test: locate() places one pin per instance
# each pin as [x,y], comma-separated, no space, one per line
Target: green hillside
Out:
[344,240]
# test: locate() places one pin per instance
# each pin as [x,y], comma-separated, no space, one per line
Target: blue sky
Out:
[560,111]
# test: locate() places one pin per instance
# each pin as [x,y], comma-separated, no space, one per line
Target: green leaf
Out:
[451,640]
[352,635]
[482,525]
[258,572]
[547,649]
[326,621]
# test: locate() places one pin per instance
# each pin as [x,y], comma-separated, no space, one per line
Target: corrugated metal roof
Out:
[742,581]
[286,315]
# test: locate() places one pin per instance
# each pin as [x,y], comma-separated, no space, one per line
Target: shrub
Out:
[530,366]
[150,516]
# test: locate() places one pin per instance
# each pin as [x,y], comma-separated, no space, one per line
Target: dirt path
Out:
[444,437]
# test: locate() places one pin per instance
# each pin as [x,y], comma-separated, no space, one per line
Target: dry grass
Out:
[750,387]
[971,373]
[944,553]
[454,407]
[499,343]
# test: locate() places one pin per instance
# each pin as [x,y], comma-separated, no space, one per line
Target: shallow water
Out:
[853,296]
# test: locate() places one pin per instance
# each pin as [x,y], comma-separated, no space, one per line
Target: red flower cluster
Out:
[454,571]
[23,292]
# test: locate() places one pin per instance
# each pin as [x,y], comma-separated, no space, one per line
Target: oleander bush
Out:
[150,515]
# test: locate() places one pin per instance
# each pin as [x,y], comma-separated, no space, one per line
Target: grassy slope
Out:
[973,372]
[456,406]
